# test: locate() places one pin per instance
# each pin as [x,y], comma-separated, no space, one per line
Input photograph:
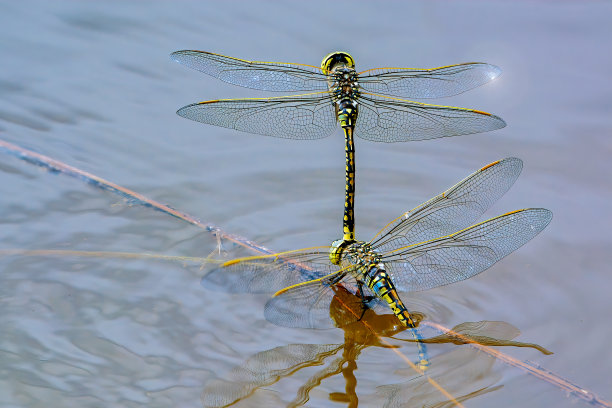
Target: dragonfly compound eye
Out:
[337,249]
[338,58]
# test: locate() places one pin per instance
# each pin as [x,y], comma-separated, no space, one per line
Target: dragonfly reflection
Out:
[471,370]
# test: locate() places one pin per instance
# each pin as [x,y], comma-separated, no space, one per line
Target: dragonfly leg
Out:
[364,299]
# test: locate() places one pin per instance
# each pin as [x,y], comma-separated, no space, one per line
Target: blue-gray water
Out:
[91,84]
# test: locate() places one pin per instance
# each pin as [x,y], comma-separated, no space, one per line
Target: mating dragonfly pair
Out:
[429,246]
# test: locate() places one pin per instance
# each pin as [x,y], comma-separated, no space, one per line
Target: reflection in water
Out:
[498,334]
[464,373]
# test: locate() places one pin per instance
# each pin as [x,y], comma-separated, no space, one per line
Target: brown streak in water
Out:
[530,368]
[103,254]
[56,165]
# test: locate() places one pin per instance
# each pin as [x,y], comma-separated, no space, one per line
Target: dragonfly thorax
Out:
[344,83]
[361,253]
[345,90]
[355,252]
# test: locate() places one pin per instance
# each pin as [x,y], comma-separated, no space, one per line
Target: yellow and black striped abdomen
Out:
[380,283]
[377,279]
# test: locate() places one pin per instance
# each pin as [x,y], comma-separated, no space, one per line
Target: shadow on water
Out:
[463,373]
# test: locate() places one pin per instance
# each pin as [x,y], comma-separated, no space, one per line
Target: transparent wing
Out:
[308,305]
[453,210]
[428,83]
[465,253]
[384,119]
[270,273]
[309,116]
[268,76]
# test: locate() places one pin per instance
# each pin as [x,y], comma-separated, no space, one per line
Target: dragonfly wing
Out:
[428,83]
[309,116]
[384,119]
[453,210]
[268,76]
[313,304]
[465,253]
[270,273]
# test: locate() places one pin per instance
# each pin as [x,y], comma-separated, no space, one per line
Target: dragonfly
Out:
[366,104]
[432,245]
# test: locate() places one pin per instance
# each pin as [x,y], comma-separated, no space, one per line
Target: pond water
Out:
[91,84]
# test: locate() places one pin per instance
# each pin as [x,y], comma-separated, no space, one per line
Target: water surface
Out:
[91,84]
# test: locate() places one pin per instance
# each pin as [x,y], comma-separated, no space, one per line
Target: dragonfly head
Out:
[338,59]
[335,251]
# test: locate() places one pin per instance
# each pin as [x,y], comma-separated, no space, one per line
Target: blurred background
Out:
[91,84]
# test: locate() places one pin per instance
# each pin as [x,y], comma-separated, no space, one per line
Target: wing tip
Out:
[512,159]
[547,213]
[544,216]
[514,162]
[176,55]
[494,72]
[182,112]
[500,123]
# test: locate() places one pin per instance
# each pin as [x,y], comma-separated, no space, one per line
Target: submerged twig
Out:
[57,166]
